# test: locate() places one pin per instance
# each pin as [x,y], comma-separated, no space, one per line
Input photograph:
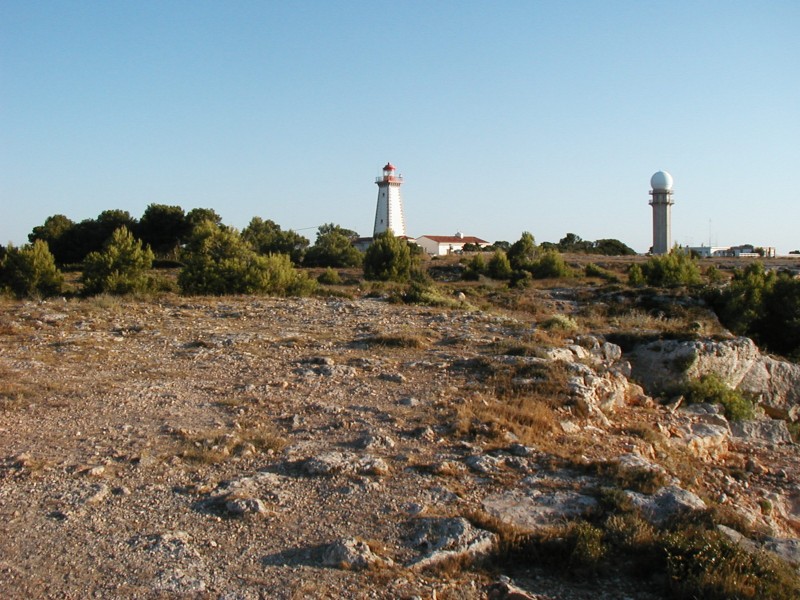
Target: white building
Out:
[661,202]
[743,251]
[441,245]
[389,212]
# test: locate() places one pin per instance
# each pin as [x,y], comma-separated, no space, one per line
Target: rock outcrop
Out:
[663,365]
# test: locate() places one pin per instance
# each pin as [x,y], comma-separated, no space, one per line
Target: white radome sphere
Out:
[661,181]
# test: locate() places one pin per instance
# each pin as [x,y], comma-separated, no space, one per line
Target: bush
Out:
[592,270]
[561,323]
[712,390]
[329,277]
[762,305]
[388,258]
[671,270]
[499,266]
[523,252]
[217,261]
[121,268]
[551,265]
[30,271]
[476,267]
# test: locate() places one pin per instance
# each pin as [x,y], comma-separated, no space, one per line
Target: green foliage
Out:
[70,243]
[592,270]
[163,228]
[30,271]
[266,237]
[712,390]
[388,258]
[574,244]
[671,270]
[329,277]
[560,322]
[499,266]
[419,292]
[636,276]
[218,261]
[706,564]
[476,267]
[550,265]
[523,252]
[763,305]
[334,248]
[713,274]
[121,268]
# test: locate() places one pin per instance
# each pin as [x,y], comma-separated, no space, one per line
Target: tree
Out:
[388,258]
[163,228]
[218,261]
[30,271]
[121,268]
[333,248]
[54,231]
[196,216]
[523,252]
[266,237]
[612,247]
[333,228]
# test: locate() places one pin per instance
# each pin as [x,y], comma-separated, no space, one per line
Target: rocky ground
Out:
[324,448]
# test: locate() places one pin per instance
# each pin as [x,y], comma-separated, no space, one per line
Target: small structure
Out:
[389,212]
[662,202]
[743,251]
[441,245]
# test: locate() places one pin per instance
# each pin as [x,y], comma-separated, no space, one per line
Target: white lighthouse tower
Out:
[661,202]
[389,213]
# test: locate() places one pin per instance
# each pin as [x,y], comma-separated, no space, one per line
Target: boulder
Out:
[662,365]
[351,553]
[762,431]
[667,502]
[444,538]
[542,500]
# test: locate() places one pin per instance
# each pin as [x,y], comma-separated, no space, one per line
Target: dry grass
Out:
[218,445]
[394,340]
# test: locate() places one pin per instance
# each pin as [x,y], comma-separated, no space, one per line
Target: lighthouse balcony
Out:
[389,179]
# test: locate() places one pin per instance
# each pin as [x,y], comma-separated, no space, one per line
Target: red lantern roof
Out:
[389,167]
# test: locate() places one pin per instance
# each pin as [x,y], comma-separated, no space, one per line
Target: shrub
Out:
[560,322]
[523,252]
[329,277]
[763,305]
[30,271]
[388,258]
[121,268]
[671,270]
[551,265]
[217,261]
[592,270]
[711,389]
[475,268]
[636,276]
[499,266]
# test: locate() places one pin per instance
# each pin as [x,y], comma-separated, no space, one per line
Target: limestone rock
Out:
[763,431]
[351,553]
[667,502]
[776,383]
[443,538]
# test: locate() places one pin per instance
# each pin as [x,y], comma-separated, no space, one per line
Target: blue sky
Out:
[503,117]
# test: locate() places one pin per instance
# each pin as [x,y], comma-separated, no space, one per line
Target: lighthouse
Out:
[662,202]
[389,213]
